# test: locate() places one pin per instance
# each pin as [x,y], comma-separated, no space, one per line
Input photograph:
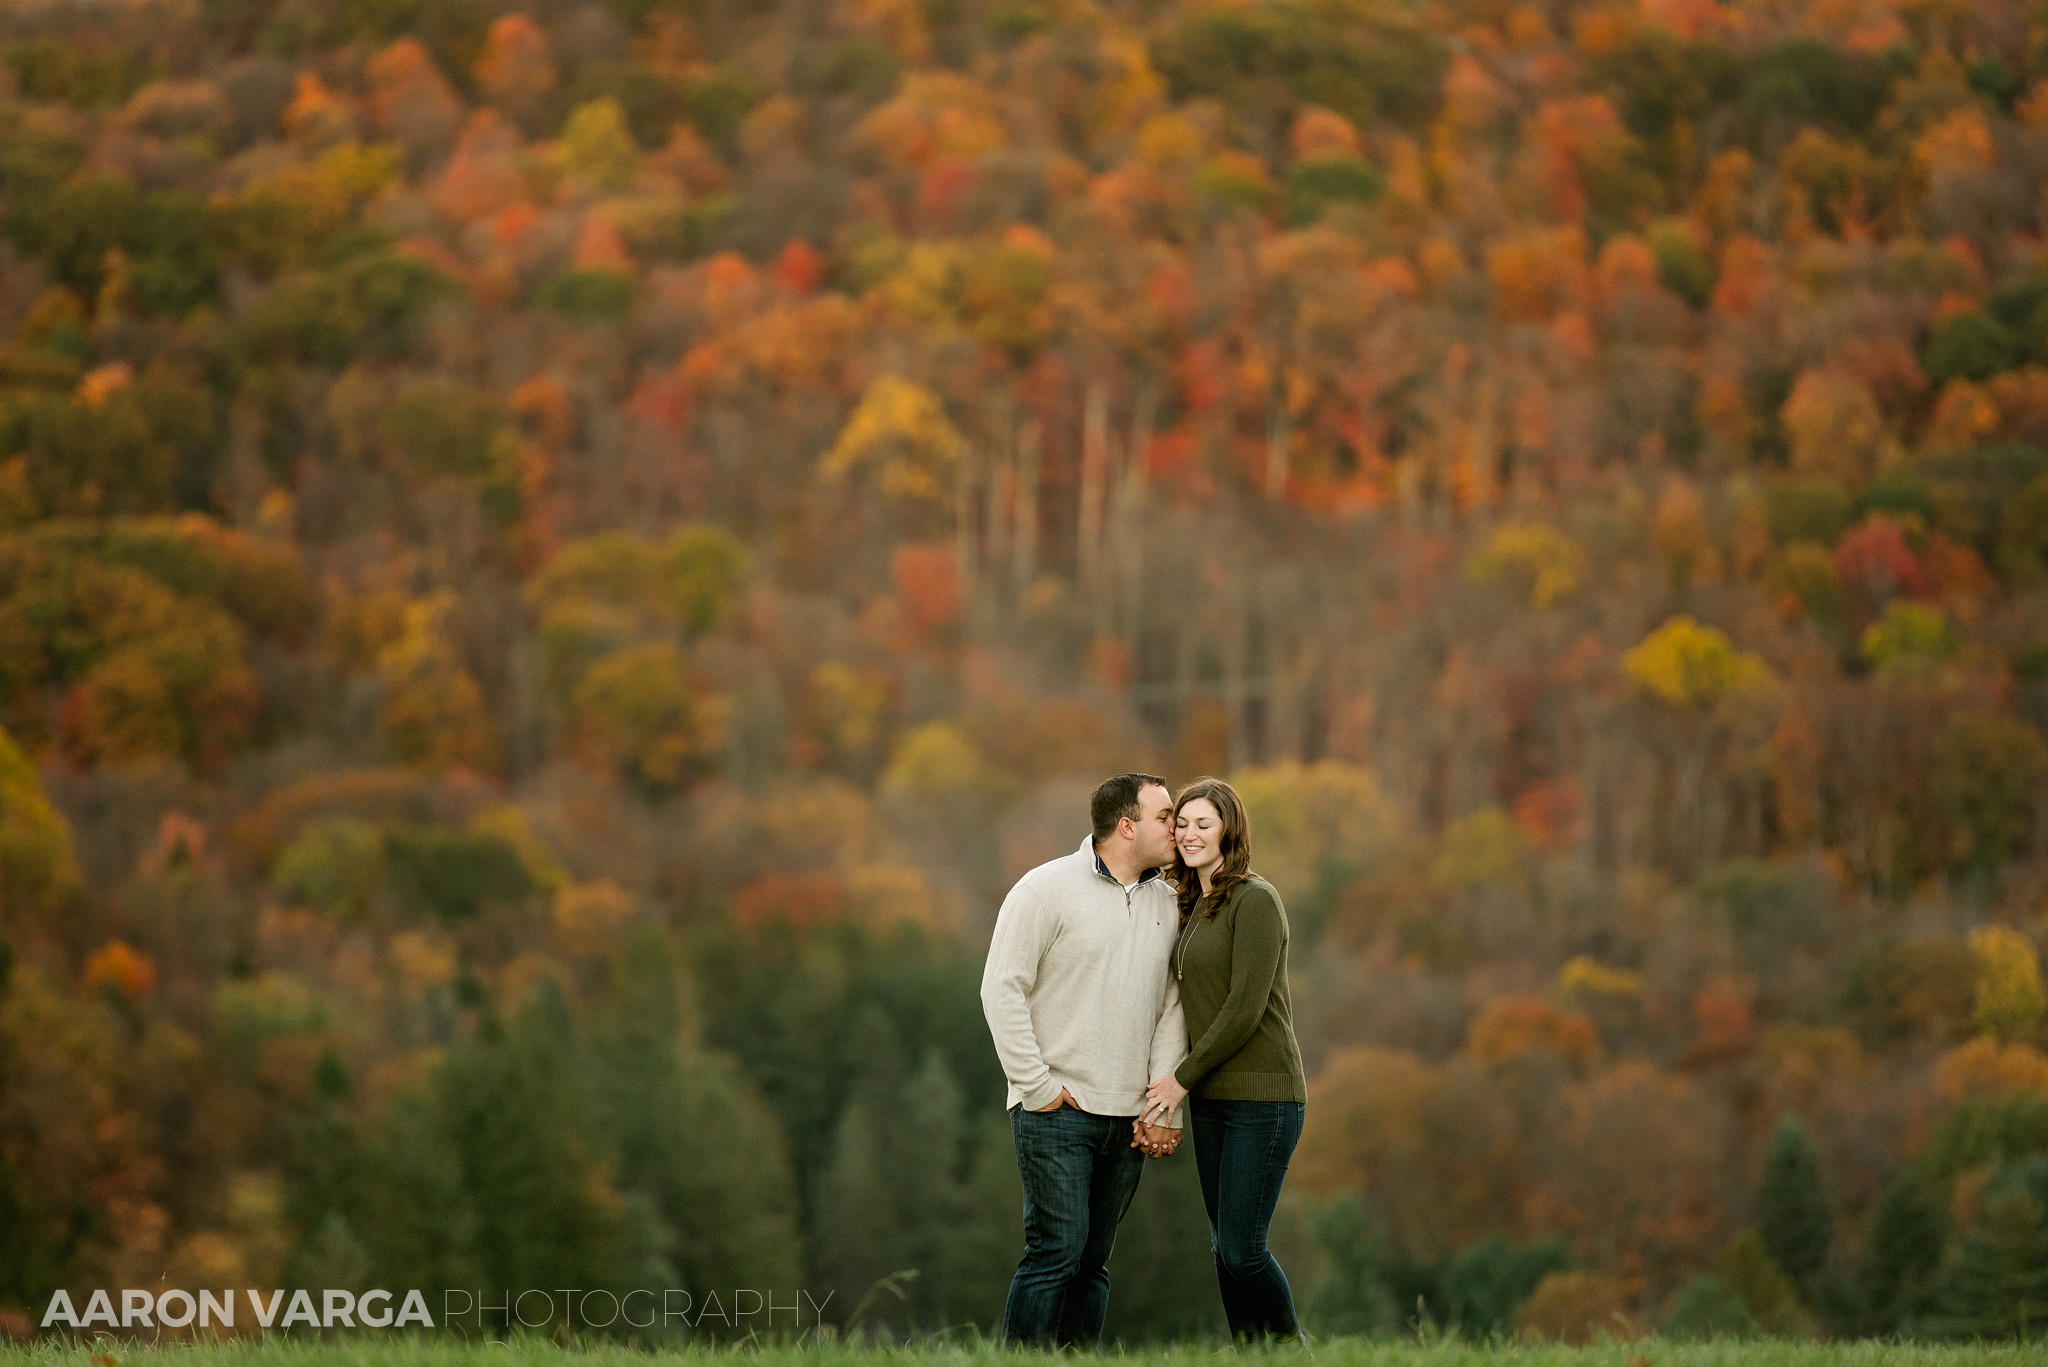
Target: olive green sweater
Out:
[1233,991]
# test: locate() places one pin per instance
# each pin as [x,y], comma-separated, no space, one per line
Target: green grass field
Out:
[371,1352]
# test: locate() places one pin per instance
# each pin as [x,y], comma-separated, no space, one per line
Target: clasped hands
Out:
[1160,1099]
[1156,1140]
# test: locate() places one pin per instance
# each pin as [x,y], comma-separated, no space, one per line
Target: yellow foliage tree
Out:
[1482,847]
[36,865]
[2009,996]
[902,428]
[1911,639]
[597,145]
[637,713]
[1312,819]
[434,714]
[845,706]
[605,591]
[1692,666]
[1984,1067]
[539,860]
[937,763]
[927,283]
[883,895]
[1548,564]
[586,914]
[1584,975]
[1511,1026]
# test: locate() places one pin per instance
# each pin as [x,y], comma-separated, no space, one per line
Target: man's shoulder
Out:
[1056,872]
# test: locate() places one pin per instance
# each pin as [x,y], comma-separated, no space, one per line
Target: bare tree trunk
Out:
[967,484]
[1279,422]
[1481,439]
[1278,433]
[526,733]
[1128,526]
[1187,642]
[1024,546]
[1692,833]
[1094,470]
[1002,465]
[1290,690]
[247,476]
[1602,846]
[1236,630]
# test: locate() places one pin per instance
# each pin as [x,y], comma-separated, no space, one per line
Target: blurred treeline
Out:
[557,556]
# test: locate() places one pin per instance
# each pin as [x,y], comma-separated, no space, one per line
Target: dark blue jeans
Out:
[1080,1173]
[1241,1152]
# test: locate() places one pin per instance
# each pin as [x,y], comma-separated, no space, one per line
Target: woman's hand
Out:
[1161,1097]
[1156,1140]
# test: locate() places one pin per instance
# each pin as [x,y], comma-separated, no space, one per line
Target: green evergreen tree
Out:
[725,1184]
[1795,1212]
[521,1121]
[331,1255]
[1165,1285]
[1707,1307]
[1353,1296]
[858,1221]
[856,1235]
[687,1134]
[1753,1274]
[1902,1242]
[1994,1283]
[32,1260]
[991,1236]
[928,1190]
[323,1174]
[1484,1283]
[411,1206]
[1987,1131]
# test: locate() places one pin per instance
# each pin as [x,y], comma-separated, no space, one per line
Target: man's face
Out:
[1154,838]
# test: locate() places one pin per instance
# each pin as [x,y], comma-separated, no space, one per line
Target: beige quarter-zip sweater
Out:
[1077,991]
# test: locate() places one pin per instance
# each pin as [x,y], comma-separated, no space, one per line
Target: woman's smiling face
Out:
[1198,832]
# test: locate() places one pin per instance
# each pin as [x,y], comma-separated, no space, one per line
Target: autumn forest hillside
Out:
[556,559]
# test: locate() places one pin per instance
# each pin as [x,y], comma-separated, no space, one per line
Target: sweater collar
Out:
[1088,848]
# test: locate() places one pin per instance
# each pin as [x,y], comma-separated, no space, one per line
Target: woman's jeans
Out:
[1241,1151]
[1080,1173]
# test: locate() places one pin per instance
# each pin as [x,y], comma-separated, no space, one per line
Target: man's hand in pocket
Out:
[1063,1099]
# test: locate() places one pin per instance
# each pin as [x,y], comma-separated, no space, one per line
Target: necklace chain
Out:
[1181,955]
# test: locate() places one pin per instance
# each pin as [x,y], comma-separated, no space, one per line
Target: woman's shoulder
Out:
[1256,892]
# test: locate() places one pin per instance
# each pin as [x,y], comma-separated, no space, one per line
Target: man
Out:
[1085,1015]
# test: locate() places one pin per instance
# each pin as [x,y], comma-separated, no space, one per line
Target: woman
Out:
[1244,1067]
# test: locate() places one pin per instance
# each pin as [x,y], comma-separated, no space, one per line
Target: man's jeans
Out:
[1241,1152]
[1080,1172]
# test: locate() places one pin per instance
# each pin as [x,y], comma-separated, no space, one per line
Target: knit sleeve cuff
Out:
[1043,1095]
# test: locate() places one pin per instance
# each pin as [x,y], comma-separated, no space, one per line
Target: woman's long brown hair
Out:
[1236,846]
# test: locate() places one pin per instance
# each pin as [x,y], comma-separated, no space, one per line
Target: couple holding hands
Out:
[1143,975]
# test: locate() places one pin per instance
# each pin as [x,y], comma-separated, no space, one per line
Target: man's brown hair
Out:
[1117,798]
